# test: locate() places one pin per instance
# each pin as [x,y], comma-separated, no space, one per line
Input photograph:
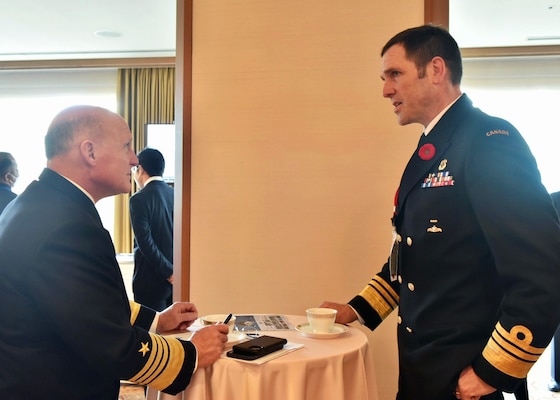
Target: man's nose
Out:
[388,90]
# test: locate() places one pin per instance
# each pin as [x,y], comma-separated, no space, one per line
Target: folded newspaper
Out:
[262,322]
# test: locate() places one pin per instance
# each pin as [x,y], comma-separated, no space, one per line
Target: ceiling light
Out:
[543,38]
[107,34]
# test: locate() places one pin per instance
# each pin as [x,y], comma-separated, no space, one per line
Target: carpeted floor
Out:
[131,392]
[539,377]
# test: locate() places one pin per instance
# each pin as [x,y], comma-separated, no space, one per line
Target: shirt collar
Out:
[81,188]
[153,178]
[434,121]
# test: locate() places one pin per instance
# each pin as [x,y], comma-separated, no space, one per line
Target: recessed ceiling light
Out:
[107,34]
[543,37]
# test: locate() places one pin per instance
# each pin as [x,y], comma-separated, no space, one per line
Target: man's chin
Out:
[402,120]
[122,190]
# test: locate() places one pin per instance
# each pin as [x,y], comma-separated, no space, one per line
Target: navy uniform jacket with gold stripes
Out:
[67,329]
[478,261]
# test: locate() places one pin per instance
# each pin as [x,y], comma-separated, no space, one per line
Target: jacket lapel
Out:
[417,168]
[440,137]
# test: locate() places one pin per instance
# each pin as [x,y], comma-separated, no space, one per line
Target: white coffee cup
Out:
[321,320]
[213,319]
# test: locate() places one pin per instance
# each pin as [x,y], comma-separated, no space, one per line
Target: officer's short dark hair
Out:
[425,42]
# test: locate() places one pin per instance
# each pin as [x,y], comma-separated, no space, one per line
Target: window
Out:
[525,91]
[28,102]
[162,137]
[522,89]
[500,23]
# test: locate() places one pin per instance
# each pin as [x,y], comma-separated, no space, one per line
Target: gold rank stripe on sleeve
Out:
[511,352]
[381,296]
[134,310]
[163,363]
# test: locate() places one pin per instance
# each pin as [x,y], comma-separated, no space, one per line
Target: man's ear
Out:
[10,178]
[87,151]
[438,69]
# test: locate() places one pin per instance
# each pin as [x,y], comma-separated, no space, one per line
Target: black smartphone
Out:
[256,348]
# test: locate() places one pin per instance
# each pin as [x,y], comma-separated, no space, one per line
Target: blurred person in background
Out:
[151,214]
[8,177]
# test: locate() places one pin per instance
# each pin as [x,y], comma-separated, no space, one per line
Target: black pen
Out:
[228,318]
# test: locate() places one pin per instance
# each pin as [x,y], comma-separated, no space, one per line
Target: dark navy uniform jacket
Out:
[478,259]
[67,328]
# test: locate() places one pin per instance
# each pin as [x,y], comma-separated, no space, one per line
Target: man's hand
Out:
[471,387]
[345,314]
[209,342]
[178,316]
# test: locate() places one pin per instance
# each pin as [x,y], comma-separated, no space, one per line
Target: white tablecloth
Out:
[339,368]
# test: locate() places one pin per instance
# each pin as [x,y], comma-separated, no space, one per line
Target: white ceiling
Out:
[65,29]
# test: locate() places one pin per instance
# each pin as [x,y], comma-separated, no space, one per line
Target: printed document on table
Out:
[262,322]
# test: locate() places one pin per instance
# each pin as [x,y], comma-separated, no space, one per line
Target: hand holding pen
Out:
[227,319]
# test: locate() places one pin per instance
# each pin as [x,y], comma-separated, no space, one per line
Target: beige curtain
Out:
[145,96]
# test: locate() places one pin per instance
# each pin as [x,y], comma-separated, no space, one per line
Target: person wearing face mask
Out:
[8,176]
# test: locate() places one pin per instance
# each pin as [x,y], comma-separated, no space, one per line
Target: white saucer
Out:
[337,330]
[235,337]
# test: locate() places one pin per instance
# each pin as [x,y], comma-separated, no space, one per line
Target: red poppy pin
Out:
[427,151]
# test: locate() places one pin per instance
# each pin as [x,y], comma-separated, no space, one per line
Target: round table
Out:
[336,368]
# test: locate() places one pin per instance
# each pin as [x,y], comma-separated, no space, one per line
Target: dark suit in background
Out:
[151,212]
[8,176]
[6,195]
